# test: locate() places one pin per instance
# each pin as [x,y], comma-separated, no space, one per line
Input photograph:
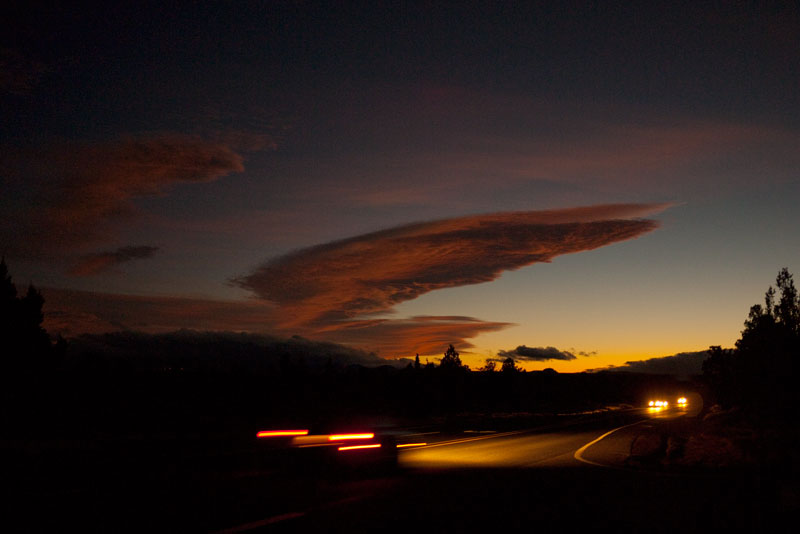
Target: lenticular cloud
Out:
[327,287]
[343,291]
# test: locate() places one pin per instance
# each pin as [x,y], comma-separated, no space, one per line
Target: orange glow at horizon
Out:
[353,447]
[338,437]
[280,433]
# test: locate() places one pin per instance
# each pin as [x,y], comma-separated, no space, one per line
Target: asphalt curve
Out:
[522,480]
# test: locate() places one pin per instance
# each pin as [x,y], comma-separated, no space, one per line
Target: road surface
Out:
[567,475]
[552,478]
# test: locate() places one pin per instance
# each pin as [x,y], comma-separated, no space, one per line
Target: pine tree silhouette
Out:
[26,344]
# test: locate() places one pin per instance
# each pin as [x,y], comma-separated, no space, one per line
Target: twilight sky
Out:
[577,185]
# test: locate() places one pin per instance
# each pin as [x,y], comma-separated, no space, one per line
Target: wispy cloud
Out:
[345,291]
[620,154]
[69,194]
[92,264]
[323,285]
[72,312]
[341,289]
[415,335]
[436,143]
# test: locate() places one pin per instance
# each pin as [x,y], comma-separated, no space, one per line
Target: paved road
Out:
[523,449]
[460,482]
[526,480]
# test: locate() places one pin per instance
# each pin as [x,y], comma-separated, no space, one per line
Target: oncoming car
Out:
[661,404]
[658,404]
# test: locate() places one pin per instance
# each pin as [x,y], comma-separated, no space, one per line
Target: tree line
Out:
[451,361]
[760,373]
[121,381]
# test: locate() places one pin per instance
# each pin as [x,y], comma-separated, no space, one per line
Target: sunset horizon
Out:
[303,266]
[602,186]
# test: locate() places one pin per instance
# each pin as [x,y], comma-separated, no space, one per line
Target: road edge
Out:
[579,453]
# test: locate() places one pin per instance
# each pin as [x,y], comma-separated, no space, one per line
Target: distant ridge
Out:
[683,364]
[224,350]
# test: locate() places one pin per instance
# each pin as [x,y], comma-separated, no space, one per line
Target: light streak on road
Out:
[355,447]
[280,433]
[510,449]
[342,437]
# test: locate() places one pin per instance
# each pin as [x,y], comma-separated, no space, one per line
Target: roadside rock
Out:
[647,448]
[708,450]
[676,446]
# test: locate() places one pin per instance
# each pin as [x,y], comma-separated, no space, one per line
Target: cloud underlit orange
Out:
[345,291]
[75,191]
[339,290]
[368,274]
[72,312]
[416,335]
[92,264]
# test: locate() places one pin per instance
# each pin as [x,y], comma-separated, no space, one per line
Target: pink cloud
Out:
[427,140]
[650,157]
[92,264]
[612,154]
[323,286]
[342,291]
[75,191]
[71,312]
[425,335]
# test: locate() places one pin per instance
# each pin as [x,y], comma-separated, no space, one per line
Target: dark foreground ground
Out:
[552,498]
[522,481]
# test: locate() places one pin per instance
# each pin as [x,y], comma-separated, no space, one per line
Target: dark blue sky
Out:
[165,152]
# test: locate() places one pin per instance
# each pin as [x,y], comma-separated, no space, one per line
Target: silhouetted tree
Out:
[489,367]
[787,312]
[509,366]
[21,333]
[719,372]
[451,360]
[416,362]
[762,371]
[8,302]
